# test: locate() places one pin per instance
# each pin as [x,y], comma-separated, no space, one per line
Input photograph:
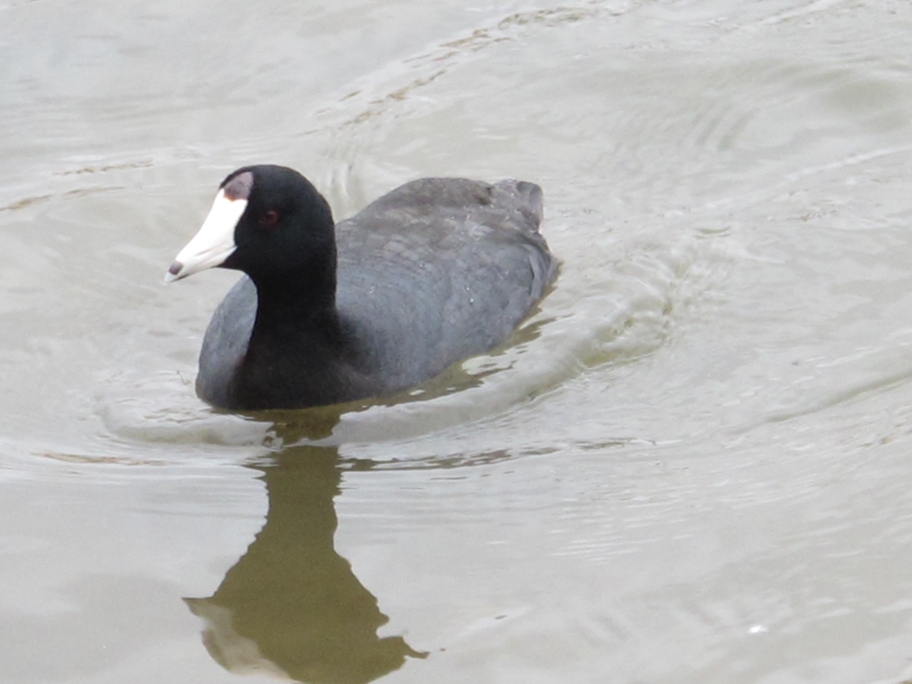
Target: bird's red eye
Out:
[269,218]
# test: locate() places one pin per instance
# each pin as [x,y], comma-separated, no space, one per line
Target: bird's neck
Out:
[292,299]
[298,320]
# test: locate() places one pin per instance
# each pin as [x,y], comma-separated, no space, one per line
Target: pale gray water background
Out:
[693,465]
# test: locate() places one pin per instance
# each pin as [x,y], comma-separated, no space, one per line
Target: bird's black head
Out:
[268,221]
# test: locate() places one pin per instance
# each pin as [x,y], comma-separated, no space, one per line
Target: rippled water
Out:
[691,464]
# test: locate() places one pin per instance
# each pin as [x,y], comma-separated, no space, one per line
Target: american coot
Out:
[429,274]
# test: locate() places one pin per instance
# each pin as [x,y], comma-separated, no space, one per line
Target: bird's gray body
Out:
[433,272]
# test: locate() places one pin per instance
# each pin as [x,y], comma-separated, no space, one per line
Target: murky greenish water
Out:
[692,465]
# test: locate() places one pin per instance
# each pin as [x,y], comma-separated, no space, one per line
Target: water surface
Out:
[690,465]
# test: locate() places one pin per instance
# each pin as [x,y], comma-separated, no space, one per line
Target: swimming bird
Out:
[429,274]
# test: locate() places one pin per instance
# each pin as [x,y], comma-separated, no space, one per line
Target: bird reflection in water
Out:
[291,606]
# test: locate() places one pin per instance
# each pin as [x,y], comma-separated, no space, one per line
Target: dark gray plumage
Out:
[429,274]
